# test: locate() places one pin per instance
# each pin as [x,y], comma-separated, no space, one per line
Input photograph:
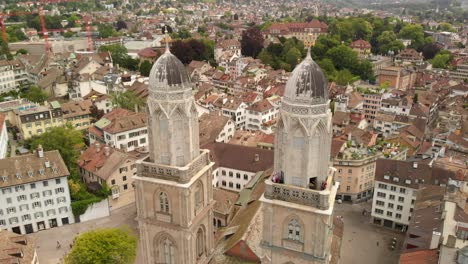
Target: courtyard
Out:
[46,240]
[363,242]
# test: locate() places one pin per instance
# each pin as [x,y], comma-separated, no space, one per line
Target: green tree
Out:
[446,27]
[5,51]
[293,57]
[388,41]
[102,246]
[35,94]
[328,68]
[66,139]
[344,77]
[145,68]
[415,33]
[118,53]
[128,100]
[106,30]
[343,57]
[440,61]
[265,57]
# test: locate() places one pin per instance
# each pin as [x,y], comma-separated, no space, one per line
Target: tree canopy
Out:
[35,94]
[127,99]
[193,49]
[251,42]
[102,246]
[145,68]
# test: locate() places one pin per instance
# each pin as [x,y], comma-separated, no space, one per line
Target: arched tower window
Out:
[294,230]
[167,248]
[200,242]
[164,202]
[198,196]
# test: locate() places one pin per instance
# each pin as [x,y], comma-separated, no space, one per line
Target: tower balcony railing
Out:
[319,199]
[173,173]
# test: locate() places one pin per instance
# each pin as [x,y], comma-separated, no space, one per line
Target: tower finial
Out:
[308,48]
[166,39]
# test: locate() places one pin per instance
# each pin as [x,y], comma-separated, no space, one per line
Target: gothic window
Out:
[200,242]
[163,202]
[167,248]
[198,196]
[294,230]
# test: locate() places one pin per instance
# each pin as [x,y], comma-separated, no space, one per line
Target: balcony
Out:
[173,173]
[316,198]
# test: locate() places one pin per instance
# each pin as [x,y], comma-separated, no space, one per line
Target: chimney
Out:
[107,151]
[40,151]
[257,157]
[435,239]
[98,147]
[415,165]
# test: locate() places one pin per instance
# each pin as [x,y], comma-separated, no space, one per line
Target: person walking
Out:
[58,245]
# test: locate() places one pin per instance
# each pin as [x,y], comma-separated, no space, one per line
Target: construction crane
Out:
[45,32]
[88,33]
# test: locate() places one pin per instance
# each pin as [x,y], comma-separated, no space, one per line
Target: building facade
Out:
[299,198]
[37,120]
[307,32]
[174,191]
[34,192]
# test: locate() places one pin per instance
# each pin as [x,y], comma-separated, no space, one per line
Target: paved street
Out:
[360,238]
[47,239]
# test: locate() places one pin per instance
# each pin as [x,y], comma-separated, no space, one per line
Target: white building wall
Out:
[3,141]
[396,195]
[7,79]
[255,120]
[227,133]
[231,179]
[38,216]
[121,140]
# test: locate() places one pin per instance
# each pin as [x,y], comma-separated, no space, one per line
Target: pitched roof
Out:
[17,170]
[429,256]
[210,126]
[410,174]
[240,157]
[225,200]
[261,106]
[76,108]
[360,44]
[95,160]
[123,120]
[341,118]
[16,248]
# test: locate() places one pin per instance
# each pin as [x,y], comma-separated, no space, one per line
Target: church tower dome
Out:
[168,73]
[308,83]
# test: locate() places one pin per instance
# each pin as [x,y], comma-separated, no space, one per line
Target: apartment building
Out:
[461,73]
[34,192]
[307,32]
[214,127]
[38,119]
[78,113]
[102,164]
[371,106]
[236,165]
[396,185]
[361,47]
[7,76]
[234,108]
[122,129]
[3,137]
[262,116]
[388,123]
[355,171]
[398,106]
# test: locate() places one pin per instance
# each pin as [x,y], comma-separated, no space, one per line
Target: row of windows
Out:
[132,134]
[27,217]
[391,196]
[231,174]
[231,185]
[19,188]
[34,195]
[389,205]
[34,205]
[389,213]
[392,188]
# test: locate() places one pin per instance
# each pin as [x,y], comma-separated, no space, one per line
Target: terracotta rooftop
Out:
[240,157]
[261,106]
[16,248]
[210,126]
[225,200]
[31,168]
[360,44]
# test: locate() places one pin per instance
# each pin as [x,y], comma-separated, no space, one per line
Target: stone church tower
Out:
[299,197]
[174,194]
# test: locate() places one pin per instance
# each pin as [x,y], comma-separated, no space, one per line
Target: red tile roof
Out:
[419,257]
[360,44]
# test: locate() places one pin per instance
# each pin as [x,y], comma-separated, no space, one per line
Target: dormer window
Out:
[30,173]
[18,175]
[41,171]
